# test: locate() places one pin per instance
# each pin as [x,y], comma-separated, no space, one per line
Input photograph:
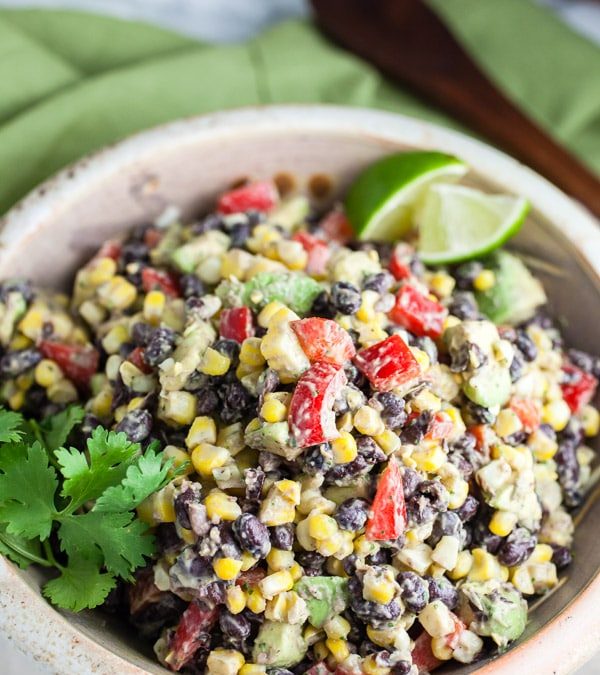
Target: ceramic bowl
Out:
[187,163]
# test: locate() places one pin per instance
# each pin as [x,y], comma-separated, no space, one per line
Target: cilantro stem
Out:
[38,434]
[25,553]
[50,555]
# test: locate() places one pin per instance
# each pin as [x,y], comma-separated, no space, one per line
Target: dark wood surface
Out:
[410,44]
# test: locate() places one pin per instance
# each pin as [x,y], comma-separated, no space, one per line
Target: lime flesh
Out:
[458,223]
[382,201]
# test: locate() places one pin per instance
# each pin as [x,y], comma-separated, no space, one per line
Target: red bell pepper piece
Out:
[258,196]
[422,656]
[580,388]
[418,313]
[440,427]
[527,411]
[311,417]
[387,516]
[324,340]
[153,279]
[481,433]
[400,261]
[236,324]
[192,633]
[110,249]
[388,364]
[136,356]
[77,362]
[336,227]
[318,253]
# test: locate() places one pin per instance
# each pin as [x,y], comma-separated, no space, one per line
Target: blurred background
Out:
[59,72]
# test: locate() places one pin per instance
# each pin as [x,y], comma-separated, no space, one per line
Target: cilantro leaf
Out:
[146,476]
[110,454]
[27,487]
[56,428]
[21,551]
[120,538]
[9,426]
[81,585]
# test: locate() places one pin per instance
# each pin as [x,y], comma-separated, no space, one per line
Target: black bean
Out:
[478,414]
[160,346]
[352,514]
[572,433]
[526,345]
[517,547]
[380,557]
[134,251]
[280,671]
[401,668]
[141,333]
[392,407]
[349,563]
[442,589]
[468,509]
[191,286]
[429,498]
[236,402]
[282,536]
[373,613]
[447,523]
[151,619]
[239,233]
[369,450]
[229,348]
[415,591]
[252,535]
[561,556]
[254,479]
[586,362]
[568,470]
[547,430]
[182,501]
[323,307]
[167,538]
[22,286]
[410,480]
[344,474]
[136,424]
[483,538]
[415,430]
[268,382]
[464,306]
[367,647]
[234,625]
[207,401]
[466,274]
[345,297]
[210,222]
[317,459]
[311,561]
[13,364]
[379,282]
[516,367]
[427,345]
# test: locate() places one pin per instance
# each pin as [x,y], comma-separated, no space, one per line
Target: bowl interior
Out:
[190,174]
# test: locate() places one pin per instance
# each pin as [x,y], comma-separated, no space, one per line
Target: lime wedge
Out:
[381,202]
[458,223]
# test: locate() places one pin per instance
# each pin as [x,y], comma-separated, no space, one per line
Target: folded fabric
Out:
[72,82]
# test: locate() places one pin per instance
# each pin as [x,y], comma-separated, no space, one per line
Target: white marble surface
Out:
[228,21]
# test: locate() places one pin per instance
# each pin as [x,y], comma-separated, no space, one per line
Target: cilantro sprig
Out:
[87,499]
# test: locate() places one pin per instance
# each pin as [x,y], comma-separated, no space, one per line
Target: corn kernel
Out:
[214,363]
[178,407]
[235,599]
[117,293]
[203,430]
[273,410]
[556,414]
[62,391]
[502,523]
[440,648]
[344,448]
[429,460]
[364,547]
[116,337]
[296,571]
[590,420]
[542,446]
[292,254]
[278,582]
[320,650]
[388,441]
[92,312]
[268,312]
[426,400]
[277,559]
[24,381]
[370,666]
[312,634]
[179,458]
[485,566]
[368,421]
[20,341]
[221,506]
[462,567]
[337,628]
[253,669]
[47,372]
[101,270]
[17,400]
[366,311]
[32,323]
[507,423]
[255,601]
[154,306]
[224,662]
[542,553]
[338,649]
[485,280]
[163,509]
[227,568]
[206,457]
[345,422]
[379,586]
[321,526]
[458,492]
[450,321]
[442,284]
[250,354]
[145,511]
[101,404]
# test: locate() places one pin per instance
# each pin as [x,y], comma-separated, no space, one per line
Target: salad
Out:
[281,440]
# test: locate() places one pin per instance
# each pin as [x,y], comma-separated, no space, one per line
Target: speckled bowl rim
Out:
[560,646]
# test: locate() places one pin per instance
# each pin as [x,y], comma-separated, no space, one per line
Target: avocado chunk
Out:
[493,609]
[515,295]
[13,310]
[279,645]
[489,385]
[297,291]
[274,437]
[324,596]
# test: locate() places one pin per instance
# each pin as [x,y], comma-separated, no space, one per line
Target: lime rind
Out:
[381,202]
[458,223]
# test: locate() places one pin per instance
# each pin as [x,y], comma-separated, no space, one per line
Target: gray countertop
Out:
[227,21]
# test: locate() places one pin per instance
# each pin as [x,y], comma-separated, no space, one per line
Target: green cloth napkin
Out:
[72,82]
